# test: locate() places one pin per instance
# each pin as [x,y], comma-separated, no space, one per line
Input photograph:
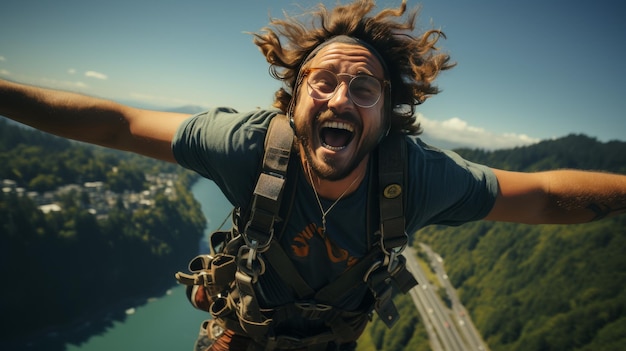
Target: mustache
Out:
[330,115]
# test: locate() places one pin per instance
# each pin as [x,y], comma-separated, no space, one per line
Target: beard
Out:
[328,167]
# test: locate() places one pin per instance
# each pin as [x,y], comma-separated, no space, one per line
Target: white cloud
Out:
[97,75]
[456,132]
[71,71]
[2,58]
[4,72]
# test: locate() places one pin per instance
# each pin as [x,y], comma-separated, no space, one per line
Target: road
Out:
[448,329]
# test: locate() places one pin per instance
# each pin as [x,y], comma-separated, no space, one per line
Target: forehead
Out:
[348,58]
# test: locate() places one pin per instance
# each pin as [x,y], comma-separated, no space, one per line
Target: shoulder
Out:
[445,188]
[225,121]
[220,130]
[225,146]
[426,155]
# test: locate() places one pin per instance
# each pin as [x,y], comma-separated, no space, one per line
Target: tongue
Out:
[335,137]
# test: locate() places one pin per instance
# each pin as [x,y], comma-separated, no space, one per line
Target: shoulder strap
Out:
[266,204]
[392,181]
[264,210]
[392,160]
[280,130]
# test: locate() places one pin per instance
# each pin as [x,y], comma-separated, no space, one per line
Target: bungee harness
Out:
[224,282]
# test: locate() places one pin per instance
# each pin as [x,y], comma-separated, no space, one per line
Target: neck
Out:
[333,189]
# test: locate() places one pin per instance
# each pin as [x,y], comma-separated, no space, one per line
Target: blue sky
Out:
[527,70]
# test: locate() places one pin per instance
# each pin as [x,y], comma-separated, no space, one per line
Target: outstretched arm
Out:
[558,197]
[92,120]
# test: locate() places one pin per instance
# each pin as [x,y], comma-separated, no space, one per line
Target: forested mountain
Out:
[574,151]
[547,287]
[88,257]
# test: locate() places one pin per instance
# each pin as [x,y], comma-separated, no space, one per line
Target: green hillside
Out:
[104,249]
[548,287]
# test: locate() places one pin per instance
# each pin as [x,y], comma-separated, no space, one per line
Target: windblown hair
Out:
[413,61]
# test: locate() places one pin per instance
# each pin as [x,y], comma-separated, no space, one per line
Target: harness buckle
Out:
[312,310]
[392,253]
[200,263]
[252,237]
[401,243]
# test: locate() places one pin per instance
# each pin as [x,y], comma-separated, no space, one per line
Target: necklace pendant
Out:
[319,203]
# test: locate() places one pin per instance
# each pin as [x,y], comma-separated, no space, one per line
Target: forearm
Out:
[579,196]
[558,197]
[65,114]
[92,120]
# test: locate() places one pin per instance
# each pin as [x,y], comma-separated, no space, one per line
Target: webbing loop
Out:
[251,267]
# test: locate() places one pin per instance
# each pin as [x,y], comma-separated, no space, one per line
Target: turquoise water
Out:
[169,322]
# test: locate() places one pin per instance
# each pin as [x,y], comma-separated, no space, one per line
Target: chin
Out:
[331,168]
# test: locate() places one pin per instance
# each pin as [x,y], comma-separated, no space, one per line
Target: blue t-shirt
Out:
[227,147]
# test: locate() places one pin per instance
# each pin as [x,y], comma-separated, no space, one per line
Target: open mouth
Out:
[336,136]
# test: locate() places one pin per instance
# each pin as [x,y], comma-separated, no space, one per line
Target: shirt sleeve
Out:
[226,147]
[446,189]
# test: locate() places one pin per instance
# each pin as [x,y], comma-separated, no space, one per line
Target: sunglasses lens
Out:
[322,84]
[364,90]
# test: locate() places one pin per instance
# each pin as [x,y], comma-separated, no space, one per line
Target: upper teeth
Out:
[338,125]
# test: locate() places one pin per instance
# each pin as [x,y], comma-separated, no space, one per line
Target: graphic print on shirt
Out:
[302,242]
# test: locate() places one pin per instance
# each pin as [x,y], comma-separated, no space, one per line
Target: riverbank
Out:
[96,321]
[159,319]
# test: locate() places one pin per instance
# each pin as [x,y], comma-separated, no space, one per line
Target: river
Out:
[168,322]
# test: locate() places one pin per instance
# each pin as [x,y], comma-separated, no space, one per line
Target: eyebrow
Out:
[333,68]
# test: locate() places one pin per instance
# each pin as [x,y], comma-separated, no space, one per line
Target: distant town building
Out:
[101,200]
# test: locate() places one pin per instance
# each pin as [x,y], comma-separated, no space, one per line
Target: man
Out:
[350,81]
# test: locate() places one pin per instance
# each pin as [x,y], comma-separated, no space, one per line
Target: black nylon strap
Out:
[279,260]
[278,143]
[391,173]
[271,182]
[348,280]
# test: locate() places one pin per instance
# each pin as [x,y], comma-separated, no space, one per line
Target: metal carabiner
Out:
[372,268]
[393,258]
[252,246]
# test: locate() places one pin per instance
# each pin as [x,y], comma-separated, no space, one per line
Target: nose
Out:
[340,101]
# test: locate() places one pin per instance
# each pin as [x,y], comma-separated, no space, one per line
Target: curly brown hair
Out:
[413,62]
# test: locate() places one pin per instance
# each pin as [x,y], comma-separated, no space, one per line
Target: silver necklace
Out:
[325,213]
